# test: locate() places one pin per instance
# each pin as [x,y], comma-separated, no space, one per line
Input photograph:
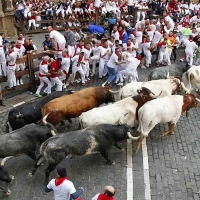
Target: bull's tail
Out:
[8,127]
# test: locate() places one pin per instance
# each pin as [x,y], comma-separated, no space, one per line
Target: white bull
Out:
[125,110]
[191,78]
[167,86]
[168,109]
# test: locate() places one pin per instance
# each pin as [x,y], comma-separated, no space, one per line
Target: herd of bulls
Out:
[149,102]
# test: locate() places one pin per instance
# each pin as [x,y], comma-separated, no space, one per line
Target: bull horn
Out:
[5,159]
[44,120]
[131,137]
[103,85]
[168,77]
[197,99]
[49,124]
[183,86]
[114,92]
[155,96]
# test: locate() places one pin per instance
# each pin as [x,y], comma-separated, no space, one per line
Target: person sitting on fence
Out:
[27,8]
[57,39]
[20,5]
[60,8]
[68,9]
[31,20]
[43,76]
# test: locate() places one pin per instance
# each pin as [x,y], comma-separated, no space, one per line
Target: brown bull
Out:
[70,106]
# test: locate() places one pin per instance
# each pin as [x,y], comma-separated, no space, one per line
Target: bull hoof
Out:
[113,163]
[30,174]
[172,133]
[8,193]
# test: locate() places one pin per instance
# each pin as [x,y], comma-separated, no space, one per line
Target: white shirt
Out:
[194,19]
[103,51]
[43,69]
[62,191]
[20,51]
[138,37]
[1,43]
[11,58]
[87,53]
[145,47]
[189,46]
[132,64]
[134,51]
[157,37]
[96,50]
[58,37]
[169,20]
[116,35]
[112,61]
[75,61]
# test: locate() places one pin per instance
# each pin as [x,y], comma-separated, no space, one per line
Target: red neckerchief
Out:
[138,57]
[59,180]
[166,15]
[104,197]
[17,46]
[114,31]
[139,30]
[80,59]
[27,4]
[121,34]
[149,29]
[44,63]
[20,39]
[118,55]
[66,56]
[191,40]
[160,32]
[128,45]
[88,49]
[10,51]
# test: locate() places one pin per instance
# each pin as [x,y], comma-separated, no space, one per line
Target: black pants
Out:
[174,52]
[99,37]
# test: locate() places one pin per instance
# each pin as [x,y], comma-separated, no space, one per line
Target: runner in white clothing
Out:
[190,47]
[43,73]
[108,194]
[62,187]
[2,58]
[57,39]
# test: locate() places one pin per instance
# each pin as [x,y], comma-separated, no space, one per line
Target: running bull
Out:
[25,140]
[95,139]
[168,109]
[124,111]
[172,70]
[167,86]
[70,106]
[30,112]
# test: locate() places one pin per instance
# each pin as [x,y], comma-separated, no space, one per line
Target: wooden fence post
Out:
[135,16]
[97,16]
[54,19]
[21,21]
[31,72]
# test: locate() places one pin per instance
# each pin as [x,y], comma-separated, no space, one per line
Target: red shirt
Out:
[54,68]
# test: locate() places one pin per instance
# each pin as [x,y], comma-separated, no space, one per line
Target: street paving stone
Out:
[174,164]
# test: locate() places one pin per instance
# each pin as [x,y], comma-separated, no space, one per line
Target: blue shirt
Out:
[124,37]
[5,41]
[48,44]
[93,29]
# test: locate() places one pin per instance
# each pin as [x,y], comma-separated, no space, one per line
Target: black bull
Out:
[30,112]
[95,139]
[176,70]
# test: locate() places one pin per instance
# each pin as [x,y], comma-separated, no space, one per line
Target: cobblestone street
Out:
[173,162]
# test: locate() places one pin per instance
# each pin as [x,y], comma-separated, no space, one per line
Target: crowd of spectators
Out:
[178,25]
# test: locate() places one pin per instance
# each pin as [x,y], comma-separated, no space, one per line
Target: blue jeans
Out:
[17,12]
[112,74]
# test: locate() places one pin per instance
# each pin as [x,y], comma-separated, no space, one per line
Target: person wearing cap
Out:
[43,76]
[63,188]
[108,194]
[47,45]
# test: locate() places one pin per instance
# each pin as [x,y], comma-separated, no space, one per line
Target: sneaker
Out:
[8,88]
[77,81]
[64,86]
[38,95]
[143,67]
[92,74]
[18,82]
[181,60]
[88,79]
[21,81]
[120,84]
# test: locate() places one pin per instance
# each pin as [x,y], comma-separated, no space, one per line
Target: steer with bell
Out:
[168,109]
[71,106]
[95,139]
[124,111]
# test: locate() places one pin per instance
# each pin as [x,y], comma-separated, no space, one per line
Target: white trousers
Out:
[3,67]
[68,10]
[31,21]
[161,56]
[189,57]
[11,76]
[42,81]
[102,67]
[86,68]
[94,61]
[80,71]
[129,73]
[20,66]
[60,10]
[56,81]
[60,46]
[71,50]
[148,58]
